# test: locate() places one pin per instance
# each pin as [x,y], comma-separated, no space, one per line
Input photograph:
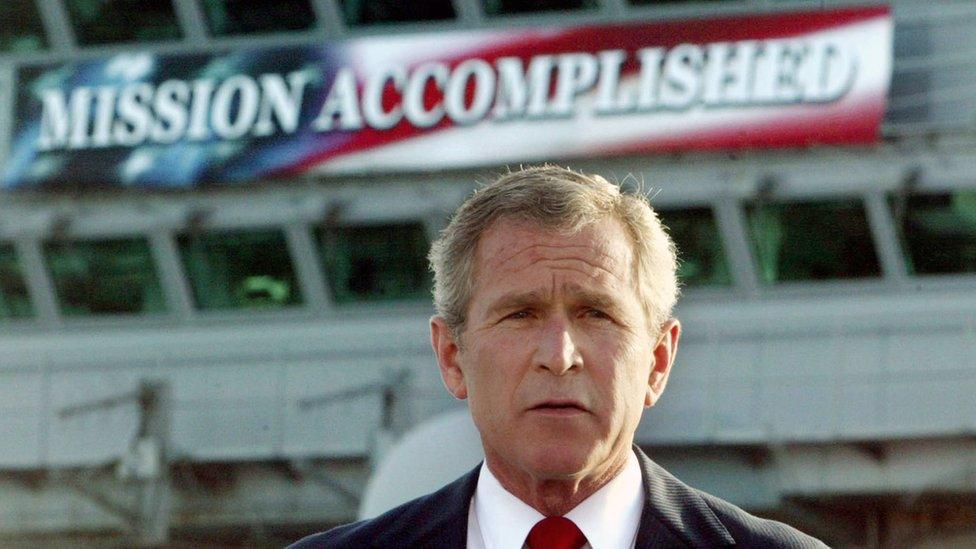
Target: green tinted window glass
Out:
[500,7]
[938,232]
[20,27]
[700,253]
[384,262]
[239,269]
[104,277]
[14,299]
[109,21]
[666,2]
[812,241]
[229,17]
[368,12]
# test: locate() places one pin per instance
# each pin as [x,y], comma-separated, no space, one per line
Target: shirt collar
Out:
[609,518]
[505,520]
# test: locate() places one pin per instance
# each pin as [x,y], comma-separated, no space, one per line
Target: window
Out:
[812,241]
[666,2]
[230,17]
[14,299]
[104,277]
[504,7]
[239,269]
[938,231]
[367,12]
[700,253]
[381,262]
[20,27]
[110,21]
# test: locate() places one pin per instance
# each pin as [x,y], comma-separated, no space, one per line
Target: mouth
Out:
[559,407]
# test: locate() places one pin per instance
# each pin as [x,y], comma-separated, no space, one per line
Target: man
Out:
[554,292]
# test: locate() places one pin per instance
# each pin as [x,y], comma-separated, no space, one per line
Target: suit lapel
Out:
[454,532]
[674,514]
[439,520]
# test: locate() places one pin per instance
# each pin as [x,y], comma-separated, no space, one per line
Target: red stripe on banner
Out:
[668,34]
[854,124]
[630,37]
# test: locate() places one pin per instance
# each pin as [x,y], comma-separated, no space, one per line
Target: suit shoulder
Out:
[416,523]
[356,534]
[752,531]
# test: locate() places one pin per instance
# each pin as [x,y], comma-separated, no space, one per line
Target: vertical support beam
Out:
[875,527]
[172,276]
[392,391]
[731,221]
[614,8]
[887,243]
[38,281]
[57,25]
[330,17]
[395,389]
[155,499]
[308,269]
[469,13]
[8,102]
[192,21]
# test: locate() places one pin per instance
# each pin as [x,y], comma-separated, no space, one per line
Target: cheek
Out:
[492,370]
[624,372]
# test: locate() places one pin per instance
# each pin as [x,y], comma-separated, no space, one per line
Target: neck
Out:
[553,496]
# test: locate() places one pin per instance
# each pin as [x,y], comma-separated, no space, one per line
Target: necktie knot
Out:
[555,533]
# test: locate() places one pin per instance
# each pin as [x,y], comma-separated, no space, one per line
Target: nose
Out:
[556,350]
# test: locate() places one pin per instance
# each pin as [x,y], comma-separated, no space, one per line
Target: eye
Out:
[521,314]
[595,313]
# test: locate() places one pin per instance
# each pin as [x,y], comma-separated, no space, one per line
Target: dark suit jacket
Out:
[675,515]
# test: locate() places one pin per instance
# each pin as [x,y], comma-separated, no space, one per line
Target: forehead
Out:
[601,251]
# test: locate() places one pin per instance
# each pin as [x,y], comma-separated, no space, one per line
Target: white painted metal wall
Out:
[834,368]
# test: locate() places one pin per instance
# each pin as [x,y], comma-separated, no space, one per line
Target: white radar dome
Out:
[428,456]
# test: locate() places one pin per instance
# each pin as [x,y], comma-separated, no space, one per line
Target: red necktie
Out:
[555,533]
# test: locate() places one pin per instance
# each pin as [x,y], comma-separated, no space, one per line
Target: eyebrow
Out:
[515,300]
[533,298]
[599,300]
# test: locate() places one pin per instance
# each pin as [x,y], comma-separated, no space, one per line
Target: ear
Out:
[447,350]
[664,351]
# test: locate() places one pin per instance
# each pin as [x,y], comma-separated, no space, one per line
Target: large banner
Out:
[454,99]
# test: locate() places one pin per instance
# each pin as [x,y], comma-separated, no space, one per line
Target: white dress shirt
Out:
[609,518]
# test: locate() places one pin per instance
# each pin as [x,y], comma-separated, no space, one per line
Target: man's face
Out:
[557,358]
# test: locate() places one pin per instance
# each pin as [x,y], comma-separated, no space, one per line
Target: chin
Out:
[560,460]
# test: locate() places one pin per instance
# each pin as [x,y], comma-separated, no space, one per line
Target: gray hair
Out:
[558,199]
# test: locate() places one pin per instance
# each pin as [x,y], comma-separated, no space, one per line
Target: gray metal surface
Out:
[805,389]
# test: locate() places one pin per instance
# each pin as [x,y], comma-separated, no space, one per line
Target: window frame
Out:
[46,43]
[34,315]
[881,283]
[304,303]
[930,281]
[370,302]
[208,30]
[113,318]
[182,32]
[712,198]
[705,290]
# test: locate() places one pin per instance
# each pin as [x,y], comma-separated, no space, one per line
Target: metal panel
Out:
[733,387]
[21,407]
[344,427]
[934,75]
[858,409]
[681,416]
[99,436]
